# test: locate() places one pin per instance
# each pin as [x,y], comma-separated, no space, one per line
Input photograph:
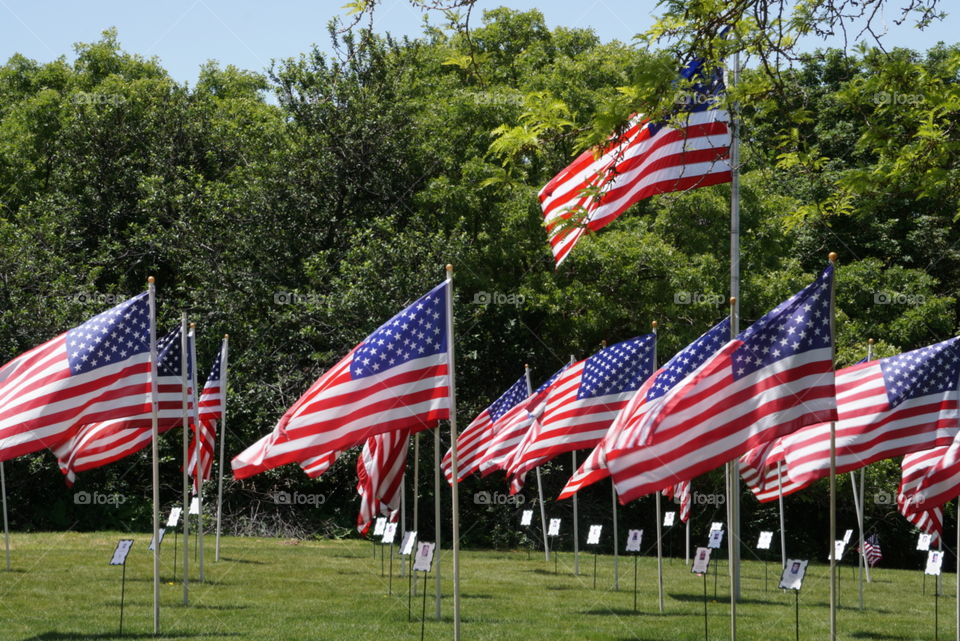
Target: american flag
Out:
[763,469]
[927,518]
[681,494]
[626,431]
[773,378]
[380,469]
[512,427]
[644,160]
[97,444]
[582,403]
[885,408]
[474,441]
[871,550]
[210,410]
[95,372]
[396,379]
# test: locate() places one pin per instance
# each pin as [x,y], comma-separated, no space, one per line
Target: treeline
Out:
[299,208]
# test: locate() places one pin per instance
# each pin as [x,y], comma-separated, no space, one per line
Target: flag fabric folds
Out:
[680,494]
[764,470]
[474,441]
[95,372]
[871,550]
[927,518]
[209,412]
[380,469]
[772,379]
[396,379]
[644,160]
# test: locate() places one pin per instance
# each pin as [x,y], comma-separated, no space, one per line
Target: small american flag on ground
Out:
[871,550]
[210,410]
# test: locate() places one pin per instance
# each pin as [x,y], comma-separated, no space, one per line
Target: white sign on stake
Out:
[792,577]
[716,538]
[716,525]
[174,519]
[162,532]
[923,543]
[846,537]
[934,561]
[526,518]
[701,561]
[379,525]
[838,548]
[121,552]
[765,539]
[194,506]
[554,529]
[409,538]
[389,533]
[669,518]
[633,540]
[593,537]
[424,559]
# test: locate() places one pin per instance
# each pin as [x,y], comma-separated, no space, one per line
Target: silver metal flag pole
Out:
[6,524]
[576,523]
[863,484]
[860,555]
[543,509]
[403,516]
[732,489]
[783,528]
[154,451]
[416,494]
[436,520]
[223,437]
[656,342]
[185,423]
[833,476]
[198,471]
[616,537]
[455,501]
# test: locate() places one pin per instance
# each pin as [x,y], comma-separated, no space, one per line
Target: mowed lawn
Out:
[62,587]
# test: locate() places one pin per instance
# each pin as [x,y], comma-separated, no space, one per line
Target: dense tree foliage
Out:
[298,209]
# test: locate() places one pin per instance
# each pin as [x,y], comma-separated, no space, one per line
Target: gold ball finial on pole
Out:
[832,257]
[193,325]
[226,335]
[654,325]
[733,300]
[449,268]
[870,341]
[151,280]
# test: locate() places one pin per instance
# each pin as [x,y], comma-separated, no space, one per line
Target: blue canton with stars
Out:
[419,330]
[215,369]
[928,370]
[690,358]
[619,368]
[797,325]
[110,337]
[168,355]
[509,399]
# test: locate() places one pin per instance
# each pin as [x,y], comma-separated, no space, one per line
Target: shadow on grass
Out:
[247,561]
[874,635]
[723,598]
[74,636]
[629,612]
[476,596]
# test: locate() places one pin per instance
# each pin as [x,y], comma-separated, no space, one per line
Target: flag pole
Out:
[659,517]
[198,471]
[833,480]
[863,484]
[436,518]
[403,516]
[576,523]
[6,524]
[455,502]
[860,556]
[185,420]
[543,509]
[416,498]
[733,499]
[616,537]
[957,555]
[154,450]
[223,435]
[783,529]
[731,468]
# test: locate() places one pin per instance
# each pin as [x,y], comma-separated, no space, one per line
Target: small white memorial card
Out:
[716,525]
[793,572]
[633,540]
[669,518]
[923,543]
[174,519]
[934,561]
[593,537]
[838,548]
[526,518]
[424,559]
[379,525]
[120,554]
[409,538]
[701,561]
[194,506]
[389,533]
[162,532]
[716,538]
[846,537]
[554,529]
[765,539]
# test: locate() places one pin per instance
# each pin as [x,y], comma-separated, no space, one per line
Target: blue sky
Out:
[249,34]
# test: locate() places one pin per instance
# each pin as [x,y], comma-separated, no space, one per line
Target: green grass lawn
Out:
[62,587]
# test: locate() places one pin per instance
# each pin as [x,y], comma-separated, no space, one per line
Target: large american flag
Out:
[97,444]
[380,469]
[474,441]
[927,518]
[773,378]
[885,408]
[396,379]
[210,411]
[644,160]
[95,372]
[626,431]
[764,470]
[582,403]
